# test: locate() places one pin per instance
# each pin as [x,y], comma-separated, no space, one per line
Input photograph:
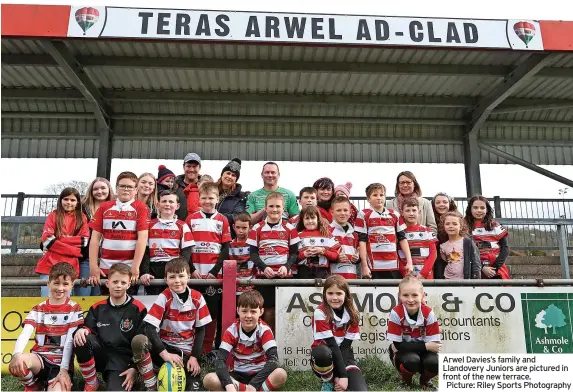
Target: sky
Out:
[509,181]
[503,180]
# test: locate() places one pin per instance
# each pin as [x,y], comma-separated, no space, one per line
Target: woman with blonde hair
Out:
[147,192]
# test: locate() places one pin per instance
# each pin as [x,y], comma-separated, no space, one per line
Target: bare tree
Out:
[47,205]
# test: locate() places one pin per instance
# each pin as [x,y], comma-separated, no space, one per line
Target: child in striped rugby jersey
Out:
[253,350]
[49,363]
[335,327]
[415,335]
[240,251]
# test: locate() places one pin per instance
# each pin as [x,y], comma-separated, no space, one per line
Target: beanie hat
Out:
[164,173]
[234,166]
[344,189]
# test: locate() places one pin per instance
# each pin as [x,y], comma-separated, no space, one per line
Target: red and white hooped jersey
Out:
[401,328]
[293,220]
[310,238]
[348,241]
[209,234]
[53,324]
[119,223]
[177,320]
[273,242]
[339,329]
[167,238]
[240,251]
[381,228]
[488,241]
[420,239]
[248,353]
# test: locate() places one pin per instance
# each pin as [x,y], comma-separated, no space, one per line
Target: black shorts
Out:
[244,378]
[48,372]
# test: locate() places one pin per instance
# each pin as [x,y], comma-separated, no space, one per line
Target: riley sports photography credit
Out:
[293,196]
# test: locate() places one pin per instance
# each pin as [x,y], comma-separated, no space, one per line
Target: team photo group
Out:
[121,238]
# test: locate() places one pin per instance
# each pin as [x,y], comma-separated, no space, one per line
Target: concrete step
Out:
[20,291]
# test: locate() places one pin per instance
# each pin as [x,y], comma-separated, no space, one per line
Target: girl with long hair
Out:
[490,237]
[441,203]
[317,246]
[65,233]
[147,192]
[335,327]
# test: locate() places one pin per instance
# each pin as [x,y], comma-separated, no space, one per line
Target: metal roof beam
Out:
[514,80]
[285,119]
[280,65]
[73,69]
[189,96]
[524,163]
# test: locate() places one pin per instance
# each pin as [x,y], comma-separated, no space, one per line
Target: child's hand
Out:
[341,385]
[80,337]
[269,273]
[309,252]
[342,258]
[95,275]
[193,366]
[134,274]
[282,272]
[63,378]
[196,275]
[355,258]
[366,274]
[173,359]
[146,279]
[18,365]
[434,347]
[488,271]
[210,276]
[130,375]
[409,268]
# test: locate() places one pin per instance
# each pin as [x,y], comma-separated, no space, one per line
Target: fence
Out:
[533,238]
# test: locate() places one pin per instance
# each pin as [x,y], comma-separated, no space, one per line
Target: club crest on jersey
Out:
[126,325]
[210,291]
[54,318]
[312,241]
[281,235]
[173,233]
[219,226]
[130,214]
[411,235]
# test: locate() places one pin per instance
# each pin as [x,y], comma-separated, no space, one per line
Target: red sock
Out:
[210,331]
[406,375]
[267,386]
[145,368]
[28,379]
[426,376]
[241,386]
[89,371]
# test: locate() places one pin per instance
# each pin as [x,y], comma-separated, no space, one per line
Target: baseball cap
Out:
[192,157]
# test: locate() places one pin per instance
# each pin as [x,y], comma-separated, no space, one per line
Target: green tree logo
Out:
[552,317]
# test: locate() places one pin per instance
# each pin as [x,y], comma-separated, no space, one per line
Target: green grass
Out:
[380,376]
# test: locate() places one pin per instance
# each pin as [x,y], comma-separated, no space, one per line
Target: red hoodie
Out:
[66,248]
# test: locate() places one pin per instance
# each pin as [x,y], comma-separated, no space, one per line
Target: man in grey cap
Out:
[191,168]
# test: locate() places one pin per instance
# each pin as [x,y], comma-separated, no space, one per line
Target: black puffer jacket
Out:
[232,204]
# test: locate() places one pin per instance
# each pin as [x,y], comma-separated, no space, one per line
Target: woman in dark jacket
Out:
[231,198]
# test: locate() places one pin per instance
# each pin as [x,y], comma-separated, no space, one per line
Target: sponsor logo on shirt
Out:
[99,325]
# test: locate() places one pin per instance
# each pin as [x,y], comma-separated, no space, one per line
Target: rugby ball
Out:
[171,378]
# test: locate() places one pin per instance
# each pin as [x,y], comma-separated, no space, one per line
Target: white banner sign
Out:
[115,22]
[472,320]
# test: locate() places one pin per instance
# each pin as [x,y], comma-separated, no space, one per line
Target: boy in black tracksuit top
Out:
[103,344]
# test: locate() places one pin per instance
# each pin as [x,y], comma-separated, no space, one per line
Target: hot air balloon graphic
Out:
[525,31]
[86,18]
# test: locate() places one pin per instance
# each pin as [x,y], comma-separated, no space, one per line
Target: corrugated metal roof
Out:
[34,76]
[292,52]
[538,155]
[274,109]
[289,82]
[46,105]
[543,87]
[537,115]
[49,148]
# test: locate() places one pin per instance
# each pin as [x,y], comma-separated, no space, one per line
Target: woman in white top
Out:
[406,187]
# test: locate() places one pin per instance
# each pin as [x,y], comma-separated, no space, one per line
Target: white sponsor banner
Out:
[472,320]
[115,22]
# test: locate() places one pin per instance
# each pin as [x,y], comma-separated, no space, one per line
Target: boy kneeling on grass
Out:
[174,329]
[103,344]
[254,354]
[54,320]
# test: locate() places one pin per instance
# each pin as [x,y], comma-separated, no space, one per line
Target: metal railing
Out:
[538,237]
